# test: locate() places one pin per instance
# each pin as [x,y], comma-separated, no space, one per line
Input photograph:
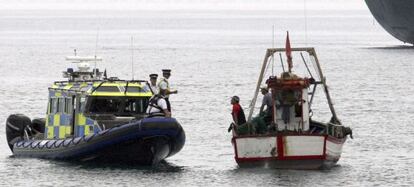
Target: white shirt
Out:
[154,88]
[267,100]
[161,103]
[164,85]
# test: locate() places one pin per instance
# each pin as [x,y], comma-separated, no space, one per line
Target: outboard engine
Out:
[38,125]
[15,127]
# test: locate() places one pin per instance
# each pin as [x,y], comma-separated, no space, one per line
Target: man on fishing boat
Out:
[266,102]
[237,113]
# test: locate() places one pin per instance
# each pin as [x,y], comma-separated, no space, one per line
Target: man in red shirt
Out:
[237,113]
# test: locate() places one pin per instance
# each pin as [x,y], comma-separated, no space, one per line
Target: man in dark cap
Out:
[153,83]
[165,85]
[237,112]
[157,106]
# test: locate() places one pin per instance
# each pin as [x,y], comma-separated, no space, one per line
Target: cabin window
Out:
[104,105]
[50,106]
[53,106]
[135,105]
[145,89]
[82,104]
[122,106]
[136,89]
[65,109]
[61,105]
[108,89]
[68,106]
[57,105]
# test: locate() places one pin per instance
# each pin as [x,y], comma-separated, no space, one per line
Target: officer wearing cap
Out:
[165,85]
[153,83]
[157,106]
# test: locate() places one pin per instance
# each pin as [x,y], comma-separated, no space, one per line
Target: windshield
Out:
[121,106]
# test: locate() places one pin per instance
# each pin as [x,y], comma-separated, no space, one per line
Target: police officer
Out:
[153,83]
[164,85]
[157,106]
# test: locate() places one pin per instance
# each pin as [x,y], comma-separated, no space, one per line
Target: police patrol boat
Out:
[288,137]
[94,118]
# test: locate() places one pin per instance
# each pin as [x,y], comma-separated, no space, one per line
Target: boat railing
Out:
[335,130]
[93,81]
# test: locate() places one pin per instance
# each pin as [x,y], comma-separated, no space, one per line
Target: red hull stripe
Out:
[280,147]
[274,135]
[310,157]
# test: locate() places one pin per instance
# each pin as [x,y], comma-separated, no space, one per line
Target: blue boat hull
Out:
[144,142]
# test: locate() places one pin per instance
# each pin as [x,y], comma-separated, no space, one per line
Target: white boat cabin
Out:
[290,102]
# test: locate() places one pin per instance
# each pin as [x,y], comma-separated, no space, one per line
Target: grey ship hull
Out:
[395,16]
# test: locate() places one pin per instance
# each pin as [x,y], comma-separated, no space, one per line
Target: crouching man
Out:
[239,119]
[157,106]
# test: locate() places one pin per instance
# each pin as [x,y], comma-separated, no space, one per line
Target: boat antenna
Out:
[273,46]
[132,57]
[305,13]
[281,62]
[96,49]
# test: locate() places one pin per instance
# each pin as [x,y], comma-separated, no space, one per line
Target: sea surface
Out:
[213,56]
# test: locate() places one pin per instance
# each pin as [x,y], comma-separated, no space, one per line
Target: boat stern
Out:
[287,151]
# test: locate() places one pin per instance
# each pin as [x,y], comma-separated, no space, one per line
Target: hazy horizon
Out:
[181,4]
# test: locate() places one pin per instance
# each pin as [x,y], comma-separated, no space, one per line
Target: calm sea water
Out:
[214,55]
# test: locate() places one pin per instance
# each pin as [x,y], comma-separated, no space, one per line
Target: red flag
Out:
[288,51]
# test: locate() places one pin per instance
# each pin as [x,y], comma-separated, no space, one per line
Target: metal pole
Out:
[306,22]
[312,53]
[273,45]
[96,49]
[306,65]
[256,92]
[281,62]
[132,57]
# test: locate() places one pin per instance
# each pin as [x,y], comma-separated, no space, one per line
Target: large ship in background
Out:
[395,16]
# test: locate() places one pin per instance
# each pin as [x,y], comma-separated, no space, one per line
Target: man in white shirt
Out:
[157,106]
[153,83]
[165,85]
[267,101]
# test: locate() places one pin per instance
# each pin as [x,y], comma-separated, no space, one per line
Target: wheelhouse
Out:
[78,108]
[290,98]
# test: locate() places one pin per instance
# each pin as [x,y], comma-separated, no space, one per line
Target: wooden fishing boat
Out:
[290,138]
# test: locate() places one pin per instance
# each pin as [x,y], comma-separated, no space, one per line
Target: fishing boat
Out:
[93,118]
[289,138]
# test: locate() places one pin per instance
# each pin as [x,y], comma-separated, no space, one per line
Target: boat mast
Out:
[96,48]
[256,92]
[334,119]
[132,57]
[314,58]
